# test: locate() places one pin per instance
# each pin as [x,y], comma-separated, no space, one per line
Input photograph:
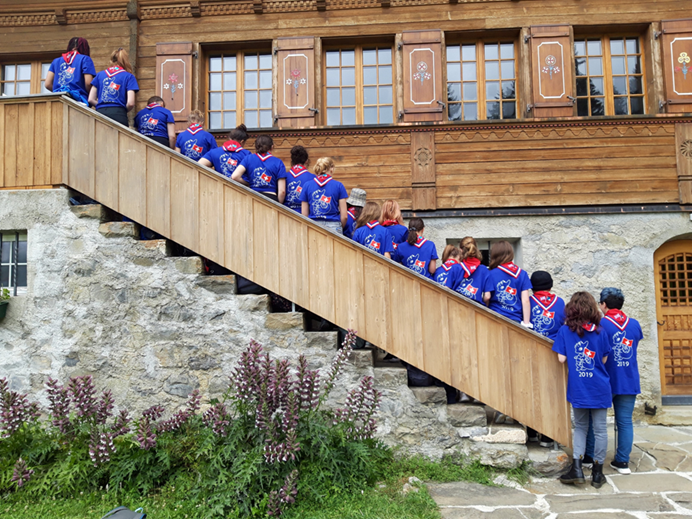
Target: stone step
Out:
[95,211]
[364,358]
[431,395]
[163,247]
[220,285]
[285,321]
[188,264]
[118,229]
[503,433]
[391,378]
[467,415]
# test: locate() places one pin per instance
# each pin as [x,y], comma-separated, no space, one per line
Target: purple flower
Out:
[218,418]
[21,474]
[15,410]
[121,424]
[361,405]
[101,446]
[146,436]
[59,407]
[83,396]
[285,496]
[104,408]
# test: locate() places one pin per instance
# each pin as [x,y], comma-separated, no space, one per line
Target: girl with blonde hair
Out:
[195,142]
[475,273]
[391,219]
[324,199]
[370,233]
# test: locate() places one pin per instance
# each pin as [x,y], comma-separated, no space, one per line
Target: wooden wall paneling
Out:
[524,79]
[495,387]
[423,174]
[158,192]
[132,178]
[321,269]
[174,79]
[683,147]
[11,138]
[320,117]
[238,231]
[435,330]
[424,95]
[398,78]
[106,170]
[520,368]
[3,157]
[57,152]
[551,70]
[266,232]
[350,303]
[406,335]
[185,204]
[463,347]
[211,221]
[377,301]
[80,148]
[676,41]
[550,380]
[296,86]
[294,273]
[41,151]
[653,69]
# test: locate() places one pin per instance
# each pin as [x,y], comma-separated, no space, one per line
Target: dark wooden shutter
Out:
[423,88]
[174,79]
[296,82]
[551,71]
[423,174]
[677,64]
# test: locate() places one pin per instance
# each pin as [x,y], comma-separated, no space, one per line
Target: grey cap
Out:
[611,291]
[357,197]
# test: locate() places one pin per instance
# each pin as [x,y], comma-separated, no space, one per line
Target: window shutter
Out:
[423,89]
[296,82]
[174,79]
[551,71]
[677,64]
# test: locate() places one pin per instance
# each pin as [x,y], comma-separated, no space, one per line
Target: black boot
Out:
[597,477]
[574,475]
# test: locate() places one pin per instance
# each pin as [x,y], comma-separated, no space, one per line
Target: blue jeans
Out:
[623,406]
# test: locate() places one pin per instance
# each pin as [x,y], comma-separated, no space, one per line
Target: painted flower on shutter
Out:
[422,73]
[173,84]
[551,67]
[296,80]
[684,60]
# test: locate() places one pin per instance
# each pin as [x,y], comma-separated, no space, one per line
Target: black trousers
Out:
[161,140]
[117,113]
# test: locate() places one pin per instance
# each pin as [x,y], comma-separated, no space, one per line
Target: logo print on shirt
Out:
[192,150]
[415,264]
[584,357]
[66,74]
[293,191]
[622,346]
[228,164]
[109,93]
[542,320]
[506,295]
[260,177]
[467,289]
[320,204]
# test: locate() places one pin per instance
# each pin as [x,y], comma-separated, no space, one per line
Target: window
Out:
[481,81]
[13,259]
[21,79]
[609,76]
[240,90]
[359,86]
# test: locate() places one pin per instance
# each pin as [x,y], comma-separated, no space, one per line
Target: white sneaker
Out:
[621,467]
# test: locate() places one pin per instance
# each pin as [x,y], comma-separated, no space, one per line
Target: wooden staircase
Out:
[60,142]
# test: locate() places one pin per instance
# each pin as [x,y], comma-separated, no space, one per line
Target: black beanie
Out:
[541,280]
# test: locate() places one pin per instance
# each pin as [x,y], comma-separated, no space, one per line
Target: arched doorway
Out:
[673,272]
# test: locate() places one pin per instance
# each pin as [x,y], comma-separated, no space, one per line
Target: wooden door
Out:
[673,271]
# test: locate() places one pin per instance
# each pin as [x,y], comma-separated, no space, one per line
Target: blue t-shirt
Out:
[547,313]
[449,274]
[399,232]
[418,256]
[375,237]
[296,178]
[588,383]
[153,120]
[505,284]
[69,70]
[113,85]
[263,172]
[624,335]
[323,195]
[350,227]
[474,282]
[227,157]
[195,142]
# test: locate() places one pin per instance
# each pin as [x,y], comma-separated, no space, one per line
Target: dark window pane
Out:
[636,85]
[580,66]
[5,251]
[583,107]
[21,276]
[634,65]
[582,87]
[621,106]
[493,110]
[596,86]
[470,112]
[454,111]
[579,48]
[453,92]
[492,90]
[637,104]
[491,51]
[509,110]
[5,276]
[22,252]
[618,63]
[508,90]
[632,45]
[594,47]
[597,106]
[619,85]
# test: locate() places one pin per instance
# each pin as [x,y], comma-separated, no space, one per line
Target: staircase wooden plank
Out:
[321,273]
[555,420]
[132,178]
[106,169]
[493,362]
[11,136]
[238,231]
[184,205]
[80,151]
[158,192]
[350,292]
[25,145]
[57,151]
[406,333]
[376,297]
[463,347]
[266,237]
[435,328]
[42,150]
[521,374]
[3,157]
[211,220]
[292,249]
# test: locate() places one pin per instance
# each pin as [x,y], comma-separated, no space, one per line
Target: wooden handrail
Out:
[429,326]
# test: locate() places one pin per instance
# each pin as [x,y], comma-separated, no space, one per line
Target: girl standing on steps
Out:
[370,233]
[508,286]
[323,199]
[297,177]
[195,142]
[417,253]
[72,72]
[450,273]
[391,219]
[475,273]
[585,347]
[113,90]
[226,158]
[262,171]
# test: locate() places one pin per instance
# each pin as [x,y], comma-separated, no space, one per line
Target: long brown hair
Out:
[391,211]
[500,253]
[451,251]
[415,225]
[469,248]
[370,212]
[80,45]
[581,309]
[122,59]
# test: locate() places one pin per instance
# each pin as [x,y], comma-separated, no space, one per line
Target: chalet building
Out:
[563,126]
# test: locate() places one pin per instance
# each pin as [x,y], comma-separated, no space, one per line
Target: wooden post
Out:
[423,176]
[683,153]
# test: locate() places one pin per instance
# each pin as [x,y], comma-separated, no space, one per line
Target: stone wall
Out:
[588,253]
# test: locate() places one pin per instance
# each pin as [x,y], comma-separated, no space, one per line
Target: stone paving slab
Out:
[599,515]
[462,493]
[553,486]
[660,482]
[502,513]
[668,457]
[625,502]
[659,433]
[684,499]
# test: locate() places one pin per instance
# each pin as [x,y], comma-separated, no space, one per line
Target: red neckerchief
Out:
[373,224]
[618,318]
[152,105]
[470,265]
[511,269]
[545,298]
[420,242]
[264,157]
[352,212]
[297,170]
[69,56]
[447,265]
[589,327]
[194,128]
[322,180]
[232,146]
[387,223]
[112,71]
